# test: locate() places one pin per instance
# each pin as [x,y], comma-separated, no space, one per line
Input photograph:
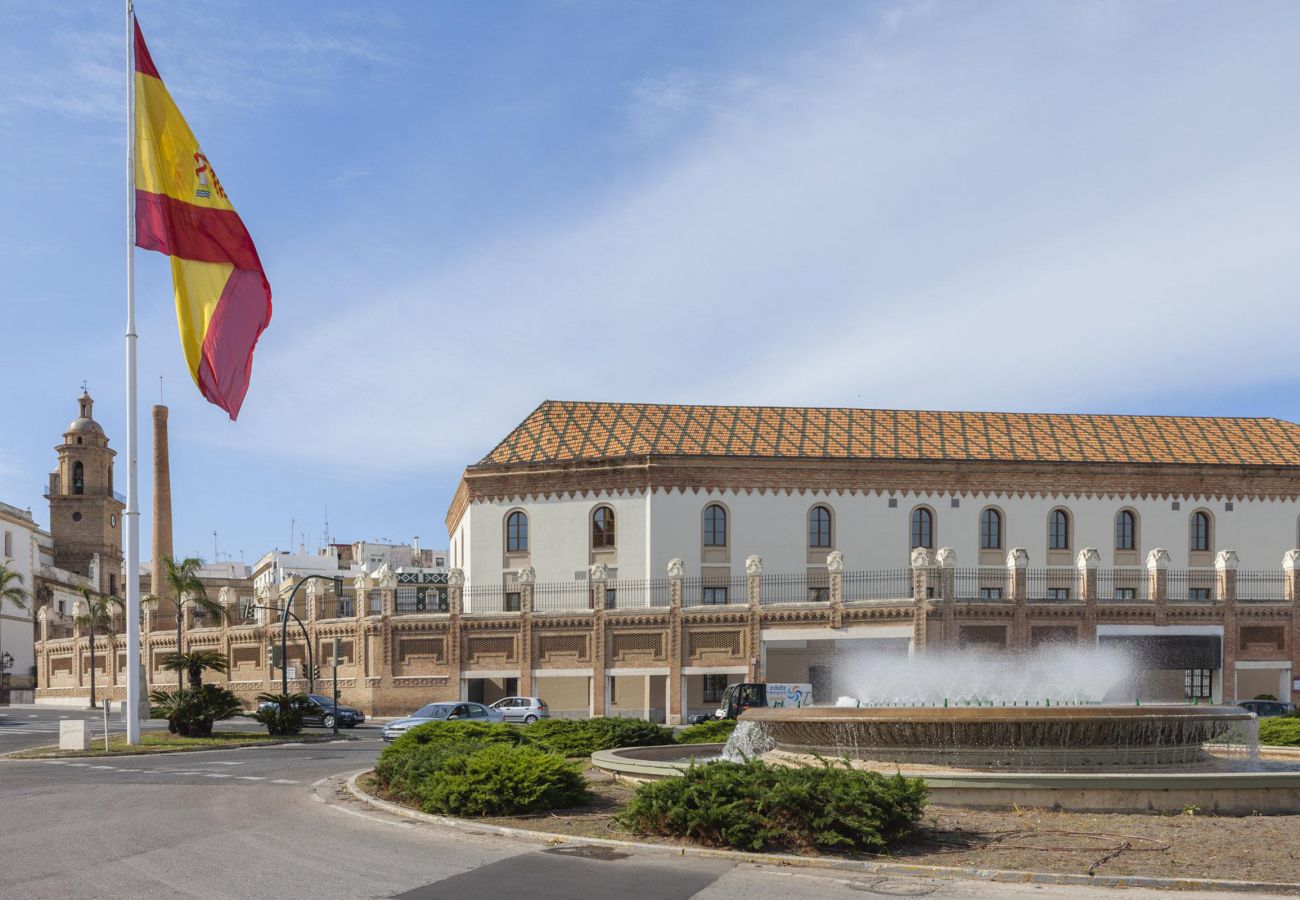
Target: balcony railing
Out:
[715,591]
[637,593]
[560,596]
[1125,584]
[1058,584]
[1257,587]
[804,587]
[988,583]
[1192,585]
[878,584]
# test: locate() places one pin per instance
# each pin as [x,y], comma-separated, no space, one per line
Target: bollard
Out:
[108,706]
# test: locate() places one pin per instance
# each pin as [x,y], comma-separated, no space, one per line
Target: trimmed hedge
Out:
[752,806]
[1280,731]
[583,737]
[500,780]
[715,731]
[407,763]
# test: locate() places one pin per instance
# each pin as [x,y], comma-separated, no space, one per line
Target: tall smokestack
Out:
[162,501]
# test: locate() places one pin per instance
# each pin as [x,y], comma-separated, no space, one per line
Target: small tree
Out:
[184,587]
[97,616]
[194,662]
[11,589]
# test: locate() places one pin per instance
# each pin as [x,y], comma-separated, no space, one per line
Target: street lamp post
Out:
[284,632]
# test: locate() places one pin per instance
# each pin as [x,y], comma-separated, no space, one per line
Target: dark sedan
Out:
[320,710]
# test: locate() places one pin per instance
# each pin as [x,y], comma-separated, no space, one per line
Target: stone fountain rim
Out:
[983,714]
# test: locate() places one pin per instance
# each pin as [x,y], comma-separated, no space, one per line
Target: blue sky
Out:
[467,208]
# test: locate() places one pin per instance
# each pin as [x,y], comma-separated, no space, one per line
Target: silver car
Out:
[452,710]
[526,710]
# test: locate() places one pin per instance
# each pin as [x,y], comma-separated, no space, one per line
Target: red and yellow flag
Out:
[223,300]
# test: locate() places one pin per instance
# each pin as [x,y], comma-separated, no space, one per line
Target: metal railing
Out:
[1127,583]
[558,596]
[1057,584]
[802,587]
[1255,587]
[1192,585]
[878,584]
[715,591]
[416,599]
[637,593]
[982,583]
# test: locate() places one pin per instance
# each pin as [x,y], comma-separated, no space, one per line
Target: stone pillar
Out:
[599,677]
[835,575]
[527,578]
[315,596]
[676,713]
[1018,574]
[754,594]
[1158,579]
[1291,574]
[922,561]
[162,504]
[945,573]
[455,637]
[1088,562]
[1225,568]
[1291,568]
[597,578]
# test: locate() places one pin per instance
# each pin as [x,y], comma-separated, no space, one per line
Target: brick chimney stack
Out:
[162,501]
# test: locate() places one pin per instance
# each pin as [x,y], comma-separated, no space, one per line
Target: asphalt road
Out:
[274,822]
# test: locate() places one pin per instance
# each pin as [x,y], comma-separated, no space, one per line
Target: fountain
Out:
[1063,728]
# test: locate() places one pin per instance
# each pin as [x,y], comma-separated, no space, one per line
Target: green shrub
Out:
[191,711]
[408,762]
[284,715]
[715,731]
[582,737]
[752,806]
[1280,731]
[499,780]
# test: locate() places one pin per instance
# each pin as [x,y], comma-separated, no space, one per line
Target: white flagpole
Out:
[132,574]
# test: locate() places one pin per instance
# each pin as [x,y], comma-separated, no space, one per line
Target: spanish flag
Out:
[223,300]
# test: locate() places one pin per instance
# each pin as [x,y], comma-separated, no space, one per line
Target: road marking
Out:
[101,767]
[216,775]
[283,781]
[353,812]
[81,765]
[250,777]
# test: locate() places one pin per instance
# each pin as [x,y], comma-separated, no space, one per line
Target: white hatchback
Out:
[525,710]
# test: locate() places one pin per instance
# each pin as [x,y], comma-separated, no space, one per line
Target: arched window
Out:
[602,528]
[990,529]
[715,526]
[819,527]
[517,532]
[1125,530]
[1199,531]
[78,478]
[1058,530]
[922,528]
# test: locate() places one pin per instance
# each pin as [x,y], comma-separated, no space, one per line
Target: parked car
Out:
[442,712]
[522,709]
[1268,708]
[320,710]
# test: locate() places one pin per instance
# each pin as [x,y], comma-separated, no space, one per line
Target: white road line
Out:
[250,778]
[283,781]
[103,767]
[353,812]
[216,775]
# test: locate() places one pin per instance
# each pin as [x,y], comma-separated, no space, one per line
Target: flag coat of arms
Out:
[223,300]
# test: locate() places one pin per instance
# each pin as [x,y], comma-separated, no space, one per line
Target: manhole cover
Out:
[589,851]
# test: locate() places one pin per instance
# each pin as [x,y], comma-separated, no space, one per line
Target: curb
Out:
[836,865]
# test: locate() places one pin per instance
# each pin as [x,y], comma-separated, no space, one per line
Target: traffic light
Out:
[273,657]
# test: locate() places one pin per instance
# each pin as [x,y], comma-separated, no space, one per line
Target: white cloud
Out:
[955,208]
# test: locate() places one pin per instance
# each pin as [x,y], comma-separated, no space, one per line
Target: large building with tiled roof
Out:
[632,491]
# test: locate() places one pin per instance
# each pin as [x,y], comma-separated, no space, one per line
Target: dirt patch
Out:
[1251,848]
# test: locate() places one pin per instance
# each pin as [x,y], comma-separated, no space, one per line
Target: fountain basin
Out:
[1065,739]
[1226,793]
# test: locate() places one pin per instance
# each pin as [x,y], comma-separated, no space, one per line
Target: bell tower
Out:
[85,515]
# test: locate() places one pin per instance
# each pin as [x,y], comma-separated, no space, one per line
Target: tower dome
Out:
[85,422]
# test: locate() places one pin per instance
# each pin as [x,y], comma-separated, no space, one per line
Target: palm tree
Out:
[184,586]
[194,662]
[11,589]
[98,615]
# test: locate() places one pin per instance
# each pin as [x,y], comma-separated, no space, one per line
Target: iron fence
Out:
[878,584]
[633,593]
[491,598]
[1192,585]
[1054,584]
[1264,586]
[558,596]
[981,583]
[333,607]
[408,599]
[715,591]
[801,587]
[1129,583]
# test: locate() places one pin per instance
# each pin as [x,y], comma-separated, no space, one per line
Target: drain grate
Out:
[589,851]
